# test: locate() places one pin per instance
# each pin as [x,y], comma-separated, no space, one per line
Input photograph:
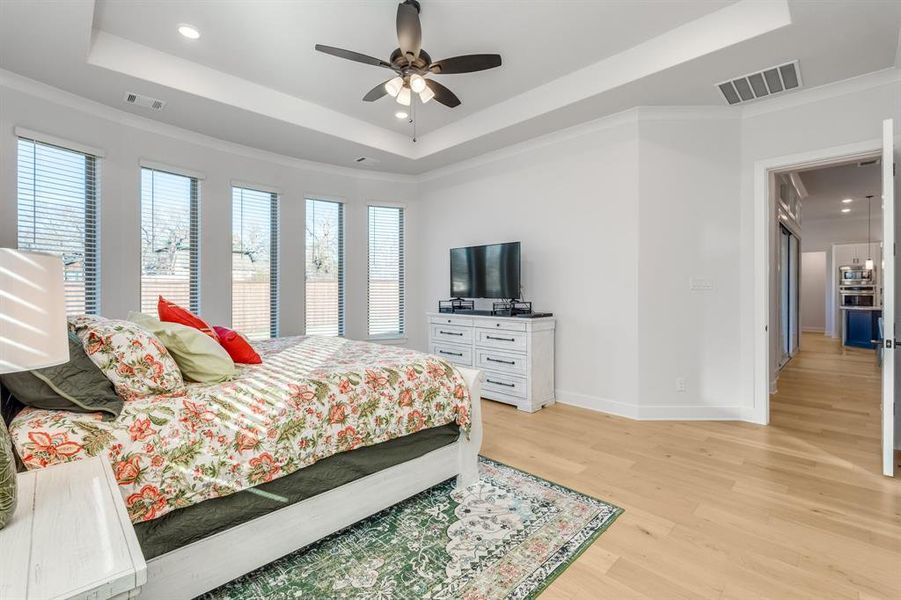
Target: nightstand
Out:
[70,537]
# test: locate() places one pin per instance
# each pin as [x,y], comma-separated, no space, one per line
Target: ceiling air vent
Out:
[144,101]
[761,84]
[869,163]
[365,160]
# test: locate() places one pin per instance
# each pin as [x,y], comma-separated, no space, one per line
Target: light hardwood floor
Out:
[726,510]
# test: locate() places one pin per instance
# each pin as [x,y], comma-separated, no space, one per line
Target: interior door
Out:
[889,293]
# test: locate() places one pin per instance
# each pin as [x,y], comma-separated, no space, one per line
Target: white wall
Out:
[813,291]
[688,226]
[574,205]
[127,139]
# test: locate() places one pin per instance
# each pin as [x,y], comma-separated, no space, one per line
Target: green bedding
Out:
[195,522]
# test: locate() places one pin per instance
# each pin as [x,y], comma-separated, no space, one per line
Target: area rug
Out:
[507,536]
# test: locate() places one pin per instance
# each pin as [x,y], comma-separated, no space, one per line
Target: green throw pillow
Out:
[199,356]
[78,385]
[7,478]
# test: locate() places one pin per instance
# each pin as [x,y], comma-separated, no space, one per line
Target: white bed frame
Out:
[191,570]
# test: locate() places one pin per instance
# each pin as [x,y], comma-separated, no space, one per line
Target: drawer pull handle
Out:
[449,332]
[501,383]
[497,360]
[451,353]
[500,339]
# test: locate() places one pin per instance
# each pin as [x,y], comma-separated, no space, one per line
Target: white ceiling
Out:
[254,78]
[828,186]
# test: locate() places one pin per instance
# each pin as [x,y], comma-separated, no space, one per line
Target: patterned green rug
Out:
[507,536]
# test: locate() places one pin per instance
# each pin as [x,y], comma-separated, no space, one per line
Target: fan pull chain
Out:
[413,117]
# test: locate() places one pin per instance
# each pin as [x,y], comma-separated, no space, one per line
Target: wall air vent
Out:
[870,163]
[144,101]
[762,84]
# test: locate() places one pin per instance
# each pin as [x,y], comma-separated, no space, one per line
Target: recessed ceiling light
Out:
[846,210]
[401,114]
[847,200]
[189,31]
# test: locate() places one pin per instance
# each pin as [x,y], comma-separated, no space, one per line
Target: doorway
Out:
[775,284]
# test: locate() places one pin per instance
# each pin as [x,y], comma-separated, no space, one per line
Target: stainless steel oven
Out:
[858,298]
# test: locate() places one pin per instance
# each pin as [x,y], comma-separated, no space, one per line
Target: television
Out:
[490,271]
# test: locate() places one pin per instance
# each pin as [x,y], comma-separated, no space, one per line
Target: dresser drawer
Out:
[514,340]
[452,320]
[458,355]
[501,361]
[507,325]
[452,333]
[504,384]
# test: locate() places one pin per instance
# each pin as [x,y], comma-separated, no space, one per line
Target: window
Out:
[386,271]
[324,268]
[57,213]
[170,240]
[255,263]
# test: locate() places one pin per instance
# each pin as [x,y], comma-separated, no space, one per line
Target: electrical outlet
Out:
[680,384]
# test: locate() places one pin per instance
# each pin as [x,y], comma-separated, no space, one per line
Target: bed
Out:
[231,476]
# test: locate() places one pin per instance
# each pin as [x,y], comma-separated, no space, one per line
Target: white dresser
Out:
[515,355]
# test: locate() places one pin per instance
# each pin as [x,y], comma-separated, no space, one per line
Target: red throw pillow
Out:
[237,347]
[173,313]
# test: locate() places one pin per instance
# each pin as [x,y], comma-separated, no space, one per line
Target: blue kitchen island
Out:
[860,326]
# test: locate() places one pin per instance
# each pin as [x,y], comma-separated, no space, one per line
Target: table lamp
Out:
[33,335]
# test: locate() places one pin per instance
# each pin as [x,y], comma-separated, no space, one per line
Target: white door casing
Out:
[888,298]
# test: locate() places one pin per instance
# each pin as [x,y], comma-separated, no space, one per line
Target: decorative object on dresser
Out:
[516,355]
[70,537]
[33,335]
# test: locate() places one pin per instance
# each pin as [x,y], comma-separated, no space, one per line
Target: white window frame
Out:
[195,261]
[397,338]
[342,283]
[274,251]
[93,305]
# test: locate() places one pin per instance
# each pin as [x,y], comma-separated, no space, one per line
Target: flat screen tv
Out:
[485,271]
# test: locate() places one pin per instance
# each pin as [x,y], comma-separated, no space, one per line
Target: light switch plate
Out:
[700,284]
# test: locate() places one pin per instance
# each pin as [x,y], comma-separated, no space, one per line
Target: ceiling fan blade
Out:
[354,56]
[465,64]
[376,92]
[442,94]
[409,30]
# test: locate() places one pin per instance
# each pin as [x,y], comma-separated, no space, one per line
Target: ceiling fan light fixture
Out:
[417,83]
[426,94]
[403,97]
[394,86]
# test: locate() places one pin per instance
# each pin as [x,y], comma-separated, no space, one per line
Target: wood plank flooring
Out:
[727,510]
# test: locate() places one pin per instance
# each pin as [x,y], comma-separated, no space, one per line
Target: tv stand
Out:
[515,355]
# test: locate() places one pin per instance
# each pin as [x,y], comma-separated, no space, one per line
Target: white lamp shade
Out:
[426,95]
[33,329]
[403,97]
[394,86]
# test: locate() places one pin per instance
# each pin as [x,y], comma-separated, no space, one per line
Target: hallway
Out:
[831,397]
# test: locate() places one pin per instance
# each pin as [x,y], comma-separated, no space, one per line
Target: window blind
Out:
[324,280]
[57,213]
[170,240]
[386,271]
[255,262]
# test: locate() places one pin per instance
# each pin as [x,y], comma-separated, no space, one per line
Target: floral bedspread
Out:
[311,398]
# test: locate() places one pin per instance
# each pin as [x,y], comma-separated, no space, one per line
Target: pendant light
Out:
[868,264]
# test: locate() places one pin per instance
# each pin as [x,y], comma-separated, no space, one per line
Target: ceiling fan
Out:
[412,65]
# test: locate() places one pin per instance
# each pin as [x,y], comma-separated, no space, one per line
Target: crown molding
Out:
[860,83]
[35,88]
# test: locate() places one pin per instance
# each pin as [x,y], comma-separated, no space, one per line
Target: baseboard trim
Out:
[653,412]
[604,405]
[813,329]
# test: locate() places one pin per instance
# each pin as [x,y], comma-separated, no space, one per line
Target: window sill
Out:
[388,340]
